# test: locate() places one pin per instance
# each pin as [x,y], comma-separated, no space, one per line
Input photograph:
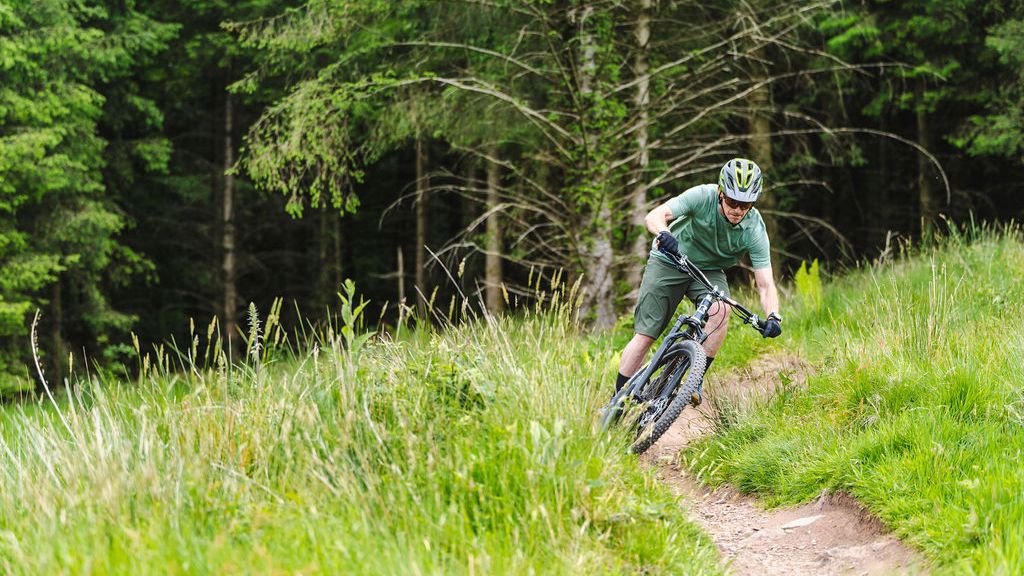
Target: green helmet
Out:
[740,180]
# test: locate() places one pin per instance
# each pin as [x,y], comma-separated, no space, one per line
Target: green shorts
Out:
[661,290]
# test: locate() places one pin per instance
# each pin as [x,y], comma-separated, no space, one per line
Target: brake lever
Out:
[756,322]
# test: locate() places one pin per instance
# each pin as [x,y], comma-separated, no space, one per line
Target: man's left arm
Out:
[765,282]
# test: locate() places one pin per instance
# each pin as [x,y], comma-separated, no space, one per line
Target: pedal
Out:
[695,399]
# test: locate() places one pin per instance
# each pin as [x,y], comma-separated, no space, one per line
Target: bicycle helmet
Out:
[740,180]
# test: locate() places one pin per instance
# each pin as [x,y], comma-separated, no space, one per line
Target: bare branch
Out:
[799,217]
[477,49]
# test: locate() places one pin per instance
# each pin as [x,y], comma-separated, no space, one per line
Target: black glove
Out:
[772,326]
[667,242]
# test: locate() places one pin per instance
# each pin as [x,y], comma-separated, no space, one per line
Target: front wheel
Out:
[668,392]
[636,391]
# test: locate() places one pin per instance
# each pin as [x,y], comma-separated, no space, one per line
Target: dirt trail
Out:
[831,535]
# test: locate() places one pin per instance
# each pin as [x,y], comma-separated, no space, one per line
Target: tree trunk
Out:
[228,271]
[598,268]
[400,274]
[927,202]
[58,347]
[760,130]
[598,256]
[492,264]
[588,51]
[468,201]
[422,198]
[638,197]
[337,252]
[325,292]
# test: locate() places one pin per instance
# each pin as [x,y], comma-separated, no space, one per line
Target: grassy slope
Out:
[917,406]
[469,450]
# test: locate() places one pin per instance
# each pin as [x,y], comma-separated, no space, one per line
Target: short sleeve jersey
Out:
[708,239]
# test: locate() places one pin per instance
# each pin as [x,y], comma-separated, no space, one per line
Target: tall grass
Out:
[468,449]
[916,406]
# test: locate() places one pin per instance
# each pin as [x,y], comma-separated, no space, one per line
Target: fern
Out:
[808,283]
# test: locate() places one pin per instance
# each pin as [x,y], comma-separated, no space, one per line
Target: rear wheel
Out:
[668,392]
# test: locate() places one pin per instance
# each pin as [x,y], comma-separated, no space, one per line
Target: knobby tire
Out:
[694,352]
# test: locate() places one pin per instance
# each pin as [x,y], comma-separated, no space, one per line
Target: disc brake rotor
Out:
[653,410]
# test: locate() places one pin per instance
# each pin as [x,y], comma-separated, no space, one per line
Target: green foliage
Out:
[928,40]
[463,450]
[297,152]
[912,408]
[338,114]
[353,333]
[101,214]
[58,221]
[924,75]
[808,283]
[545,87]
[999,132]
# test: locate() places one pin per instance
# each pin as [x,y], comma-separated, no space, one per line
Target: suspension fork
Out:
[696,322]
[700,317]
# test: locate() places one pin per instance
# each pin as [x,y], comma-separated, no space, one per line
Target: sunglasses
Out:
[734,204]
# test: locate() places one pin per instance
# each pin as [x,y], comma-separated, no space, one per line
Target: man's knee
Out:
[633,354]
[719,313]
[638,346]
[641,341]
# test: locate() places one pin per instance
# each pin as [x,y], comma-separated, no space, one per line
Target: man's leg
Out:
[661,289]
[718,316]
[716,328]
[632,357]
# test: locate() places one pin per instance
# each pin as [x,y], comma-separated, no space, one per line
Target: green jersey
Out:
[708,239]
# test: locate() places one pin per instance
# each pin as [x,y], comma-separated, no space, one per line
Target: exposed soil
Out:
[831,535]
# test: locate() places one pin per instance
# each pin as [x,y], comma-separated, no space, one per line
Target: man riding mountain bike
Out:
[714,226]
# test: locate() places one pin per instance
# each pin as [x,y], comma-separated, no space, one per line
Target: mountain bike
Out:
[655,396]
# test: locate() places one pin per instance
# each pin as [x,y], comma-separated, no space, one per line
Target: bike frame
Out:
[694,323]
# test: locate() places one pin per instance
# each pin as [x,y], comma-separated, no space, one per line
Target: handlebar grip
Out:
[670,252]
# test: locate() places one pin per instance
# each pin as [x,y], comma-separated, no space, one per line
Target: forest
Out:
[343,287]
[166,162]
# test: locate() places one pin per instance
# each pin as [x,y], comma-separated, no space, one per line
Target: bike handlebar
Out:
[685,266]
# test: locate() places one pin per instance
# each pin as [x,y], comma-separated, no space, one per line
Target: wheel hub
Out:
[653,410]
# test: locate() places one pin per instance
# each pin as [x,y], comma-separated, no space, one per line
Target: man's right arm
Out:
[657,220]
